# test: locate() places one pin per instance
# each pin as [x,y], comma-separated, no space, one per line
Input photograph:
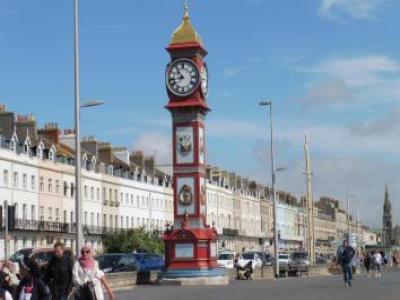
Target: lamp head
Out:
[265,103]
[91,103]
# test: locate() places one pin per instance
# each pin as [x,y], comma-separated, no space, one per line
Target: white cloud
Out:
[232,71]
[365,78]
[157,143]
[358,9]
[326,92]
[359,71]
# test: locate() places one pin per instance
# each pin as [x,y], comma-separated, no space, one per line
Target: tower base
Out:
[187,277]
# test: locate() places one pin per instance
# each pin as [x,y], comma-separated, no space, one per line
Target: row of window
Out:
[93,219]
[92,193]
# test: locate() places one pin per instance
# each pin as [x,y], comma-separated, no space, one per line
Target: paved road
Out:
[324,288]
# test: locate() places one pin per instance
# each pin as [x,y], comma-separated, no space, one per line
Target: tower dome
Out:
[186,33]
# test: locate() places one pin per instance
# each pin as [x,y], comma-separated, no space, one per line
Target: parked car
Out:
[226,259]
[41,256]
[117,262]
[283,261]
[148,261]
[299,263]
[265,258]
[254,257]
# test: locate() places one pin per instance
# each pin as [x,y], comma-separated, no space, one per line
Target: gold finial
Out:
[186,10]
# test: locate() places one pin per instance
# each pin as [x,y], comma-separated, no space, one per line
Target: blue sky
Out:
[331,68]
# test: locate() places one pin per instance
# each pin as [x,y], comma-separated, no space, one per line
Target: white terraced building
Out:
[122,190]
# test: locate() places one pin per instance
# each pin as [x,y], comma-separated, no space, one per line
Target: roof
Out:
[186,33]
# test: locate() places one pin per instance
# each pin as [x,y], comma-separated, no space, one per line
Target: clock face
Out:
[182,77]
[204,80]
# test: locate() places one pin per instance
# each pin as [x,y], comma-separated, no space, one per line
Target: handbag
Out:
[87,290]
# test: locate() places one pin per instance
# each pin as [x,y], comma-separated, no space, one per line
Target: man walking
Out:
[346,258]
[377,263]
[59,273]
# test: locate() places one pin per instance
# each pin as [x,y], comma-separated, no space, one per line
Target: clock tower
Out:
[190,244]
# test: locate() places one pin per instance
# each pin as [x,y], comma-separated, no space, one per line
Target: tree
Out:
[137,239]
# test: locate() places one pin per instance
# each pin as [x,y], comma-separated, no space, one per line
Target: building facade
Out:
[122,190]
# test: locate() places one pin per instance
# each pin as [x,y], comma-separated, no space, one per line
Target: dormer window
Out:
[39,150]
[27,146]
[13,143]
[39,153]
[84,161]
[13,146]
[110,170]
[93,164]
[102,167]
[52,154]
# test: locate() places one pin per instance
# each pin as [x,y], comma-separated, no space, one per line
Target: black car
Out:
[117,262]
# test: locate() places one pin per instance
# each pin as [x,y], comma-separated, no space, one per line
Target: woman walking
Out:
[88,278]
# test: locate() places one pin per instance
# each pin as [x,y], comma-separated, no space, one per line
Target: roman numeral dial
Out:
[182,77]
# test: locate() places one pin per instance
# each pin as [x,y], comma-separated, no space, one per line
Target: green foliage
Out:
[133,239]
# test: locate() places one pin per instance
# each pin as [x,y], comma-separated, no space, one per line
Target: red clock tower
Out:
[190,245]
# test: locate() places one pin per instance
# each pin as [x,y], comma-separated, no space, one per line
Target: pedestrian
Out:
[59,273]
[346,257]
[33,286]
[88,278]
[4,286]
[368,262]
[12,280]
[377,261]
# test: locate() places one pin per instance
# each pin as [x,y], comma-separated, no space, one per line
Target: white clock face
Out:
[204,80]
[182,77]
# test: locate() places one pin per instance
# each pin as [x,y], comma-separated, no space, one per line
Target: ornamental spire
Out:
[186,10]
[186,33]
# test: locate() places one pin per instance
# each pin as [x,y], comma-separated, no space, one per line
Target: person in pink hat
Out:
[88,278]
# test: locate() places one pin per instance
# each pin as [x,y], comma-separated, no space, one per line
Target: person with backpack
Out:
[346,257]
[88,278]
[59,273]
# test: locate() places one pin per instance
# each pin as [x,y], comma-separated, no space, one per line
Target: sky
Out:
[330,67]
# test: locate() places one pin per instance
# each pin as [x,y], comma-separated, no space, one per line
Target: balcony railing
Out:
[50,226]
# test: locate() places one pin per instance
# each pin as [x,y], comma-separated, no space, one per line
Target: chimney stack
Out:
[51,132]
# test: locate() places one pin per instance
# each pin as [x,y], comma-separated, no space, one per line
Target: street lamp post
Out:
[79,231]
[78,106]
[275,206]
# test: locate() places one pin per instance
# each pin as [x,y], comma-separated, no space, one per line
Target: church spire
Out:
[387,220]
[387,206]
